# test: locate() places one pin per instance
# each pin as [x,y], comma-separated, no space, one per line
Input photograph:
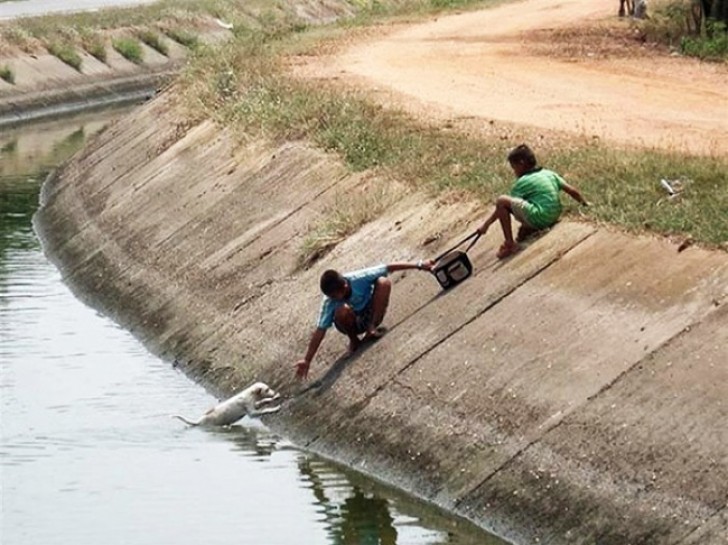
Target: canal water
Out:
[88,453]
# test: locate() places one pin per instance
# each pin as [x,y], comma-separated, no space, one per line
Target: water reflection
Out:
[358,519]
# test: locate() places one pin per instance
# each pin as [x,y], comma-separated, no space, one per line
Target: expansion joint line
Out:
[455,331]
[692,531]
[647,357]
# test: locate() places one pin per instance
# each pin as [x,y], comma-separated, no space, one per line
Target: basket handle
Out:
[474,236]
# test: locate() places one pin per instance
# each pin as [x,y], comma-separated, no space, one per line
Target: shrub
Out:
[153,40]
[66,53]
[7,74]
[711,45]
[129,48]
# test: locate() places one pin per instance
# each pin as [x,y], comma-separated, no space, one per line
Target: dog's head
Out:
[262,391]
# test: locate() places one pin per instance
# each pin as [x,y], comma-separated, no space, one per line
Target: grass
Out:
[710,45]
[153,40]
[94,44]
[674,23]
[7,74]
[129,48]
[184,37]
[244,84]
[339,221]
[66,53]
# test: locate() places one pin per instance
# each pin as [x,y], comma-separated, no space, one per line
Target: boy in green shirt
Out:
[533,200]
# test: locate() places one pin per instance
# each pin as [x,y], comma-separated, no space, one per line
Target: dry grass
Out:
[153,40]
[244,84]
[346,216]
[67,53]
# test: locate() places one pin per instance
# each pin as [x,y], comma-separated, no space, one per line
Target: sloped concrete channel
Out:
[573,394]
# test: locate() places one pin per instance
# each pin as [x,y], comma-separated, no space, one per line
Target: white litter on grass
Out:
[675,187]
[668,187]
[223,24]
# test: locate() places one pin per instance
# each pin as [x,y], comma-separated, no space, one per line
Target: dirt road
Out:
[478,64]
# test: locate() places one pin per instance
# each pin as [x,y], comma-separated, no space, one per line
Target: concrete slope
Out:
[572,394]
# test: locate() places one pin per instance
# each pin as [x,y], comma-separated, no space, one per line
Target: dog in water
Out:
[250,401]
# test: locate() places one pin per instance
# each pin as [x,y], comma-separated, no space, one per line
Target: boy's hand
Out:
[302,367]
[426,265]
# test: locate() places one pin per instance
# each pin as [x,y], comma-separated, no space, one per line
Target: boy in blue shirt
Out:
[355,303]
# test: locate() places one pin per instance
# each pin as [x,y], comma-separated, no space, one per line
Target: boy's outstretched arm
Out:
[303,365]
[421,266]
[574,193]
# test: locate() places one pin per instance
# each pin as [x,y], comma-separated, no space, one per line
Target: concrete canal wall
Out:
[576,393]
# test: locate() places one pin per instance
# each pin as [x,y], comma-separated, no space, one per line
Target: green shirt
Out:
[540,189]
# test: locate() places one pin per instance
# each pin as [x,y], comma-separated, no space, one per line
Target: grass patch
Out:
[153,40]
[676,24]
[7,74]
[345,217]
[66,53]
[711,45]
[94,44]
[184,37]
[129,48]
[245,85]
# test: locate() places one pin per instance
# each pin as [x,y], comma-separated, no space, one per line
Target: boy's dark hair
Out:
[524,155]
[331,281]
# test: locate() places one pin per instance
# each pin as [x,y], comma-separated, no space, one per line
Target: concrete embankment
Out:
[576,393]
[46,87]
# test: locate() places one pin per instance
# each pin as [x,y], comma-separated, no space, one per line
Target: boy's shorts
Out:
[363,320]
[519,209]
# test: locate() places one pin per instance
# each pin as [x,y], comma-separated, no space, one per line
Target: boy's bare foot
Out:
[507,250]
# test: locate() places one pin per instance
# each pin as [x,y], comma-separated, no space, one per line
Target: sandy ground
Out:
[481,64]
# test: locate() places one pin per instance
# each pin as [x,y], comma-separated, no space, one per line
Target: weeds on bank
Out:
[93,43]
[66,53]
[345,217]
[7,74]
[244,85]
[153,40]
[184,37]
[129,48]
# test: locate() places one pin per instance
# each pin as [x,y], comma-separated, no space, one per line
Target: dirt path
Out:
[476,64]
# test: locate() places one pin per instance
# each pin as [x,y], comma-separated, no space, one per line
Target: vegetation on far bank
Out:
[184,21]
[245,85]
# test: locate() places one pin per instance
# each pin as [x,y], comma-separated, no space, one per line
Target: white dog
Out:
[249,402]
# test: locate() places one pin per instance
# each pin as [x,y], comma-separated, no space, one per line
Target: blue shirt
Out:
[362,286]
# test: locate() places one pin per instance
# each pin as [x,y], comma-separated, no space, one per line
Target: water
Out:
[88,453]
[10,9]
